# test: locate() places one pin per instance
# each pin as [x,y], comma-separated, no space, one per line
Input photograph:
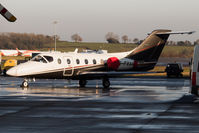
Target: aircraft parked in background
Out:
[17,52]
[6,14]
[89,66]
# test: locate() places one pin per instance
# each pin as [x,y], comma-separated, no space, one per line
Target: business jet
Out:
[89,66]
[6,14]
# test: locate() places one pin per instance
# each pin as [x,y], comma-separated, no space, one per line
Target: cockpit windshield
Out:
[39,58]
[49,58]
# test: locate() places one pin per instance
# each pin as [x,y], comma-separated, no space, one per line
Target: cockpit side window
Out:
[49,58]
[39,59]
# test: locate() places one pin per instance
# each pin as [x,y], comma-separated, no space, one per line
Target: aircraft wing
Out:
[6,14]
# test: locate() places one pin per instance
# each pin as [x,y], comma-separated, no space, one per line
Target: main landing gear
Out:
[82,83]
[105,83]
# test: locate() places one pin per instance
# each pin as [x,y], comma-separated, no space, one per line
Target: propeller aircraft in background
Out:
[17,52]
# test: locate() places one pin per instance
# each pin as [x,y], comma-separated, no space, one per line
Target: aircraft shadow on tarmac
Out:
[127,90]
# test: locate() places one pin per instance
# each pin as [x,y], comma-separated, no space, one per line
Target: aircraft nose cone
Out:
[12,72]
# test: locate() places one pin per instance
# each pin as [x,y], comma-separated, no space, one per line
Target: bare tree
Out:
[76,38]
[136,40]
[187,43]
[171,43]
[23,40]
[180,43]
[125,38]
[196,42]
[112,38]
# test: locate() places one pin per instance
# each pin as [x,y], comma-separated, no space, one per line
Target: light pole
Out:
[55,36]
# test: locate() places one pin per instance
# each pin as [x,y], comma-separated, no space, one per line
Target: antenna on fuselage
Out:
[55,35]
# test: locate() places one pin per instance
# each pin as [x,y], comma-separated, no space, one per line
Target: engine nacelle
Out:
[127,64]
[113,63]
[123,64]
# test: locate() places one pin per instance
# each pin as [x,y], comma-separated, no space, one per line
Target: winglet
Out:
[6,14]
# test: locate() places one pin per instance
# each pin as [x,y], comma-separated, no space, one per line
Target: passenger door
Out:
[68,66]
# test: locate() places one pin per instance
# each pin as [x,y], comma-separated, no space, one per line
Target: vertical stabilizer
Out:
[151,48]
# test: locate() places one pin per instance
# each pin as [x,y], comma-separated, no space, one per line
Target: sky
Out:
[93,19]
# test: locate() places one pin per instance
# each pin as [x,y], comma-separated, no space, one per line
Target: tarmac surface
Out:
[132,105]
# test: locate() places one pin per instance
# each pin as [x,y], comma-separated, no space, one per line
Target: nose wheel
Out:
[25,84]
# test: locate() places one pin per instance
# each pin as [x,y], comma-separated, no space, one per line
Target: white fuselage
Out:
[68,64]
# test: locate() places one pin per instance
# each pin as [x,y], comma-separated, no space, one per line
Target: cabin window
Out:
[49,58]
[77,61]
[86,61]
[94,61]
[68,61]
[39,59]
[59,61]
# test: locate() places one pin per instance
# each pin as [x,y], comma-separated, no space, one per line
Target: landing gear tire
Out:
[25,84]
[4,72]
[194,90]
[106,83]
[82,83]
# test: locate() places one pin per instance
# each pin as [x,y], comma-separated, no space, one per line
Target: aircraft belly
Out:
[49,75]
[144,67]
[62,74]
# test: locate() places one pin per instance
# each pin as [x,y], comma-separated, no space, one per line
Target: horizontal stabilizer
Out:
[174,32]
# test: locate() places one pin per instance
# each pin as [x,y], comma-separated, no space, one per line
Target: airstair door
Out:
[69,66]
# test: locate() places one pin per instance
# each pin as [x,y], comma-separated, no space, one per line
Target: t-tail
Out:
[150,49]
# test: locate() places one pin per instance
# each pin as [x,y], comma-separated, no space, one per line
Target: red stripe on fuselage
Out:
[67,68]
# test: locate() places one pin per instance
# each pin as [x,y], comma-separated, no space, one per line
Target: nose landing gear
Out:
[82,83]
[25,83]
